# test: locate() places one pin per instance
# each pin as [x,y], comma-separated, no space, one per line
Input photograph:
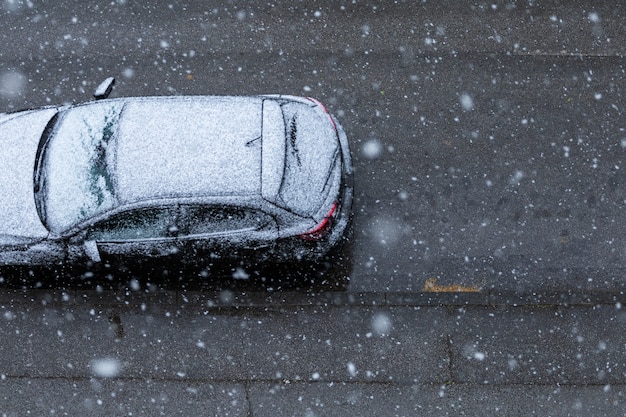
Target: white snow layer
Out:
[19,138]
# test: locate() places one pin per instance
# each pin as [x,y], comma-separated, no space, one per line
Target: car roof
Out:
[191,146]
[116,152]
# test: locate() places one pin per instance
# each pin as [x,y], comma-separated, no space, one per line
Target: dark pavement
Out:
[227,353]
[489,231]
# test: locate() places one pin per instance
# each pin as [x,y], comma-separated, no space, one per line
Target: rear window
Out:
[310,154]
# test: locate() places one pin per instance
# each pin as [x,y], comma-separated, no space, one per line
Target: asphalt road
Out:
[488,140]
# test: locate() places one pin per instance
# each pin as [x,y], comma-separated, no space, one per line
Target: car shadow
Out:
[330,274]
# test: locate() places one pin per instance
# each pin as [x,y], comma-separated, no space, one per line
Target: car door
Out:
[133,236]
[19,251]
[210,233]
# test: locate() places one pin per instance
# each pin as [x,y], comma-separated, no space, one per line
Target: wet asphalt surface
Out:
[487,261]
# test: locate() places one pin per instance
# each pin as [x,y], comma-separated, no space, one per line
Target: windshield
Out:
[73,180]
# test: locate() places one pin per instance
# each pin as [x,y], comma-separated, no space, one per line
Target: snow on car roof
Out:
[170,147]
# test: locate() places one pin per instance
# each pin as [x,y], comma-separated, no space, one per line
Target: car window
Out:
[197,220]
[311,157]
[135,225]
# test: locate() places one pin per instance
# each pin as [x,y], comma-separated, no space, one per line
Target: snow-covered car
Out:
[196,178]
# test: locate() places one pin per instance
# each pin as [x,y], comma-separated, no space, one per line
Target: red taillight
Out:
[332,121]
[322,228]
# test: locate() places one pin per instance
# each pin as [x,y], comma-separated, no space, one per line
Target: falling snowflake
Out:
[105,367]
[467,102]
[381,324]
[12,83]
[372,148]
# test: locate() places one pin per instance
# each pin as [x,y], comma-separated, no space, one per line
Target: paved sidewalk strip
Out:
[332,399]
[119,397]
[109,353]
[320,342]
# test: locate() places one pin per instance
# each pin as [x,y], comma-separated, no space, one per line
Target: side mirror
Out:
[104,89]
[91,250]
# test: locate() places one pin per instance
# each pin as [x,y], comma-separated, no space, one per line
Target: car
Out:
[198,179]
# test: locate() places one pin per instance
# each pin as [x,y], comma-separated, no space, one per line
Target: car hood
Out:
[19,138]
